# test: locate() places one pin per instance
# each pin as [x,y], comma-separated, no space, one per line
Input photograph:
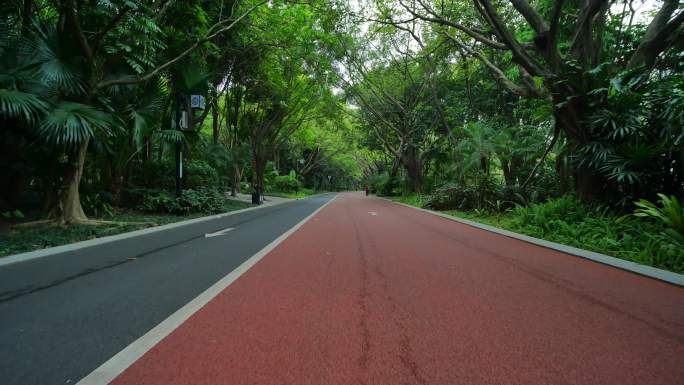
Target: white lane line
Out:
[125,358]
[220,232]
[372,213]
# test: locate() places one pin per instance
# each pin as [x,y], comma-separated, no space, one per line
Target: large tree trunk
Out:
[69,209]
[571,119]
[259,171]
[589,184]
[237,177]
[414,169]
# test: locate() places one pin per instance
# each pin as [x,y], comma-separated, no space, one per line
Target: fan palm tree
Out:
[43,86]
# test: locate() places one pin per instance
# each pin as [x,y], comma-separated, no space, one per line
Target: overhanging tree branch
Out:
[214,31]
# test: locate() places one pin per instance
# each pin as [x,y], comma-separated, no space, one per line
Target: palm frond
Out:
[22,105]
[70,124]
[171,136]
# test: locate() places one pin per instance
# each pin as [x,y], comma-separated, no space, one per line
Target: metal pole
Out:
[179,165]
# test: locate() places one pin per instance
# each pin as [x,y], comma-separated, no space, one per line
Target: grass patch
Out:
[302,193]
[566,221]
[413,200]
[22,239]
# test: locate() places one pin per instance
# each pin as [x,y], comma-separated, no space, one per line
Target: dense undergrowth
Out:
[567,221]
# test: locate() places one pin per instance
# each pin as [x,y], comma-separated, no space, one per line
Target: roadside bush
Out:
[208,201]
[567,221]
[198,174]
[452,196]
[286,183]
[154,174]
[483,193]
[382,184]
[376,182]
[544,215]
[96,205]
[670,213]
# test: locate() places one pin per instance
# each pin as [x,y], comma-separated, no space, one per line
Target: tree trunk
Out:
[259,171]
[571,119]
[506,168]
[589,186]
[215,119]
[237,178]
[414,169]
[69,209]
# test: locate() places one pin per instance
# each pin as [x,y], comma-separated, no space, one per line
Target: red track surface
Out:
[404,297]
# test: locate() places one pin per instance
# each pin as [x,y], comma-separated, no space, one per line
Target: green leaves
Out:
[171,136]
[671,214]
[70,124]
[21,105]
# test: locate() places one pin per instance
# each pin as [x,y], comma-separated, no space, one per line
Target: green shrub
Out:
[376,182]
[483,193]
[671,214]
[154,174]
[198,174]
[12,214]
[286,183]
[452,196]
[568,221]
[543,215]
[96,205]
[382,184]
[207,201]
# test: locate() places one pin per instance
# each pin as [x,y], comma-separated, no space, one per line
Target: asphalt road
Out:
[62,316]
[369,292]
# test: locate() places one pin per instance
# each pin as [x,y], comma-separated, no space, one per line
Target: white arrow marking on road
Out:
[372,213]
[221,232]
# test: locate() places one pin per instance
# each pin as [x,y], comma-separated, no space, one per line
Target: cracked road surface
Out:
[369,292]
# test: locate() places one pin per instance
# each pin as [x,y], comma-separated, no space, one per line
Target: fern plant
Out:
[670,213]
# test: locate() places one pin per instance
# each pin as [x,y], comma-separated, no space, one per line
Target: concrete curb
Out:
[29,255]
[647,271]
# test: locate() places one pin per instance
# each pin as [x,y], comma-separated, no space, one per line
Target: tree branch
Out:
[661,32]
[213,32]
[531,15]
[71,18]
[97,40]
[518,51]
[499,75]
[436,18]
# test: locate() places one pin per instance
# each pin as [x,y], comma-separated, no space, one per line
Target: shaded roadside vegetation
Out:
[565,114]
[95,109]
[566,220]
[555,119]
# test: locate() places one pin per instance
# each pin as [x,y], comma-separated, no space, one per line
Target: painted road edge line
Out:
[647,271]
[29,255]
[116,365]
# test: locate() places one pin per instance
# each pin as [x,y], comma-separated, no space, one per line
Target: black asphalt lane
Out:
[62,316]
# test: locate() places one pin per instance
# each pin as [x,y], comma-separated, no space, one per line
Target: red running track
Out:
[405,297]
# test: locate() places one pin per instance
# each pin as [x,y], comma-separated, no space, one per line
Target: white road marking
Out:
[372,213]
[129,355]
[221,232]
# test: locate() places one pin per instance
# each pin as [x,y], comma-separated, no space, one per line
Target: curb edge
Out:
[633,267]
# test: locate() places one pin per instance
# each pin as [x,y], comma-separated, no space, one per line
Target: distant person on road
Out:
[366,190]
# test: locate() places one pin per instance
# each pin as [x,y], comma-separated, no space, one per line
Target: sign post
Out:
[184,120]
